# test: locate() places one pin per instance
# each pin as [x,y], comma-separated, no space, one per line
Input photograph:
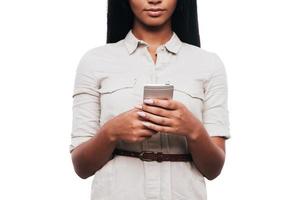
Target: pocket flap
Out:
[110,85]
[191,88]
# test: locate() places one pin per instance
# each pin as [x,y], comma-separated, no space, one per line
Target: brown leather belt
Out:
[154,156]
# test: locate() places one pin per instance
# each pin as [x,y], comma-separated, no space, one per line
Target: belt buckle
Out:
[141,155]
[158,156]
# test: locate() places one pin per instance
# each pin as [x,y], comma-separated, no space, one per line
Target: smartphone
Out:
[158,91]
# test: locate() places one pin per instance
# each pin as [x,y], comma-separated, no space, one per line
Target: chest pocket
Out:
[117,95]
[111,85]
[190,90]
[190,93]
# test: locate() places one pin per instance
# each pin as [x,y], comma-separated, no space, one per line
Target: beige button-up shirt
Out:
[110,79]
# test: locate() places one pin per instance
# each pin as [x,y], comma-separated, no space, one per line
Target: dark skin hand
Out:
[174,118]
[93,154]
[162,116]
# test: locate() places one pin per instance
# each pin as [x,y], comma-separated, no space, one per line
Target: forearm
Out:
[208,157]
[93,154]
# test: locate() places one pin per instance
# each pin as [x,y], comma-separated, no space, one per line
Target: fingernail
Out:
[146,124]
[138,106]
[148,101]
[142,114]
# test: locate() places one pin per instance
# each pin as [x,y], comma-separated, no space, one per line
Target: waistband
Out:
[154,156]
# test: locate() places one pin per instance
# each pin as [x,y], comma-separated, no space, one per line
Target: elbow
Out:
[212,175]
[82,172]
[214,172]
[83,175]
[80,168]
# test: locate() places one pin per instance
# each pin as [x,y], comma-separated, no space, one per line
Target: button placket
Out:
[152,176]
[154,143]
[152,180]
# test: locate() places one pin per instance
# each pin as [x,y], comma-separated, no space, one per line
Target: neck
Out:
[154,36]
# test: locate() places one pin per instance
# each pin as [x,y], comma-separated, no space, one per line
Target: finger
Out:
[139,107]
[147,130]
[164,103]
[156,110]
[155,118]
[147,133]
[158,128]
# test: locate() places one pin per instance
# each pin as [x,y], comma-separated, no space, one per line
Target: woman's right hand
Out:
[128,127]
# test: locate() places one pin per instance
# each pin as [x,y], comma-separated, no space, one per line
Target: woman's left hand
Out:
[169,116]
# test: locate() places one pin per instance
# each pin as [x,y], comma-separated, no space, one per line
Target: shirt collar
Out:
[131,43]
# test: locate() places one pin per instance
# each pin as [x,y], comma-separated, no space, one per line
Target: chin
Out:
[154,22]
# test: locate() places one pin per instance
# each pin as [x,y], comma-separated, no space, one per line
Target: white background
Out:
[40,46]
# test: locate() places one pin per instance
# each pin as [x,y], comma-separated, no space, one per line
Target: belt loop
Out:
[159,157]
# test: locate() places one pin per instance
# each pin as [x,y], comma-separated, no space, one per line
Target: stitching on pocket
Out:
[191,88]
[191,94]
[116,84]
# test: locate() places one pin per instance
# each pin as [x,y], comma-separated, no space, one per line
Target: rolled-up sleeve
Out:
[86,103]
[215,110]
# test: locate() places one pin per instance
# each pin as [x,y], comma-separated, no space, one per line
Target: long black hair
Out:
[184,21]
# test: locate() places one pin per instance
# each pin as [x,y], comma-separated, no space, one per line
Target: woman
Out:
[156,149]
